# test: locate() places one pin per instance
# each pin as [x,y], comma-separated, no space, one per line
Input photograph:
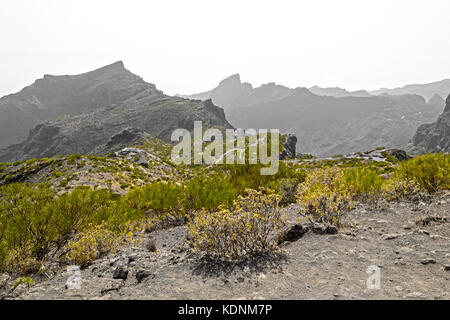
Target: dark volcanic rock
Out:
[142,274]
[400,155]
[120,273]
[293,233]
[434,137]
[126,137]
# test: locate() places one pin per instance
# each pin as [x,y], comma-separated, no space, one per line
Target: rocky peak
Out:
[54,96]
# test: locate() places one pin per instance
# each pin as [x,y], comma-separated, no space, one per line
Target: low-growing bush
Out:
[324,196]
[157,197]
[27,281]
[399,189]
[288,191]
[365,184]
[430,171]
[34,221]
[248,228]
[209,193]
[91,244]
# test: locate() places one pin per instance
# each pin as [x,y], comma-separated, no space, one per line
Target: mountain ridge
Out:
[332,122]
[111,99]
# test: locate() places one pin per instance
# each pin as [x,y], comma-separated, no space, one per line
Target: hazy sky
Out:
[188,46]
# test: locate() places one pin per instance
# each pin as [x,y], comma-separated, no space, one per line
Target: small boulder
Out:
[428,261]
[120,273]
[142,274]
[292,234]
[4,278]
[324,229]
[400,155]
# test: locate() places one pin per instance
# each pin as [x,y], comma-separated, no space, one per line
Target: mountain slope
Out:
[112,99]
[53,96]
[326,126]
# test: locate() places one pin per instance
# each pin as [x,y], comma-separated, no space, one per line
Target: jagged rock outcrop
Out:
[434,137]
[128,102]
[126,137]
[232,93]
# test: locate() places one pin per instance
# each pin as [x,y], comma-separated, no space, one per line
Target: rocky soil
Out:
[410,243]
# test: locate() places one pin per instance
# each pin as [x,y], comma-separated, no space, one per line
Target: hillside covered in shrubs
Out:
[232,212]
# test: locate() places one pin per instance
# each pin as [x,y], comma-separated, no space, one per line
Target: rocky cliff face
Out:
[434,137]
[109,102]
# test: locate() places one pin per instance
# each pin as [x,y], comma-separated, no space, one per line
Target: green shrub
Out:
[28,281]
[93,243]
[249,177]
[399,188]
[324,196]
[33,220]
[209,193]
[430,171]
[26,218]
[365,184]
[157,198]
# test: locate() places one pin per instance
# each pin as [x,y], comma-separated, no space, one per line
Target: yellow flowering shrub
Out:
[20,261]
[399,188]
[93,243]
[248,228]
[324,196]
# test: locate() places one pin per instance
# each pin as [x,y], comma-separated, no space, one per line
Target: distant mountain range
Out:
[60,115]
[428,91]
[327,121]
[338,92]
